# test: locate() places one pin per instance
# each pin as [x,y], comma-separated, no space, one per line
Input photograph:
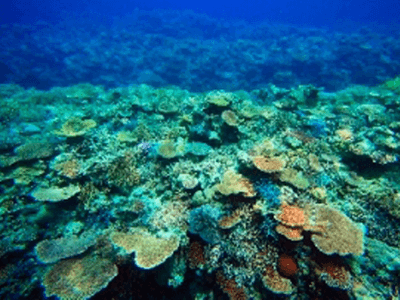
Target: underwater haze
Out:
[330,13]
[199,45]
[207,150]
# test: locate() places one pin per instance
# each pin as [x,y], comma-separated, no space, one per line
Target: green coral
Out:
[393,84]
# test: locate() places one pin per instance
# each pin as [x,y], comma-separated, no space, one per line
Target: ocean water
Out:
[200,150]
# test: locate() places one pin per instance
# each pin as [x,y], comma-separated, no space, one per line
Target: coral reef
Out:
[217,195]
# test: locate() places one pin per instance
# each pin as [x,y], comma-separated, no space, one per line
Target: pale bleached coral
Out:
[150,251]
[55,194]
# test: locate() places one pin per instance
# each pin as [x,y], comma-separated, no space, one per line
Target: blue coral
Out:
[318,128]
[268,227]
[268,191]
[197,148]
[199,129]
[203,221]
[322,179]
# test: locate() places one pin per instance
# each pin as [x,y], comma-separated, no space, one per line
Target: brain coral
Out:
[287,265]
[167,149]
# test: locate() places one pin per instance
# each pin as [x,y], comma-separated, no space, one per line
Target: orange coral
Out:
[291,215]
[292,220]
[292,233]
[333,272]
[287,265]
[331,231]
[276,283]
[231,220]
[268,165]
[196,255]
[230,287]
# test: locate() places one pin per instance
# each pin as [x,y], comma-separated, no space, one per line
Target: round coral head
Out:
[287,265]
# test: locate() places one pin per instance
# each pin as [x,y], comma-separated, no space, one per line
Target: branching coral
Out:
[229,286]
[203,221]
[196,255]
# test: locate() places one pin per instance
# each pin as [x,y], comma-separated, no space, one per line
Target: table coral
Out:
[276,283]
[234,183]
[78,279]
[331,231]
[76,127]
[268,165]
[50,251]
[150,251]
[342,236]
[55,194]
[291,215]
[334,273]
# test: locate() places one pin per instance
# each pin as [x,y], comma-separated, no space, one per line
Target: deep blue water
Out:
[199,45]
[310,12]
